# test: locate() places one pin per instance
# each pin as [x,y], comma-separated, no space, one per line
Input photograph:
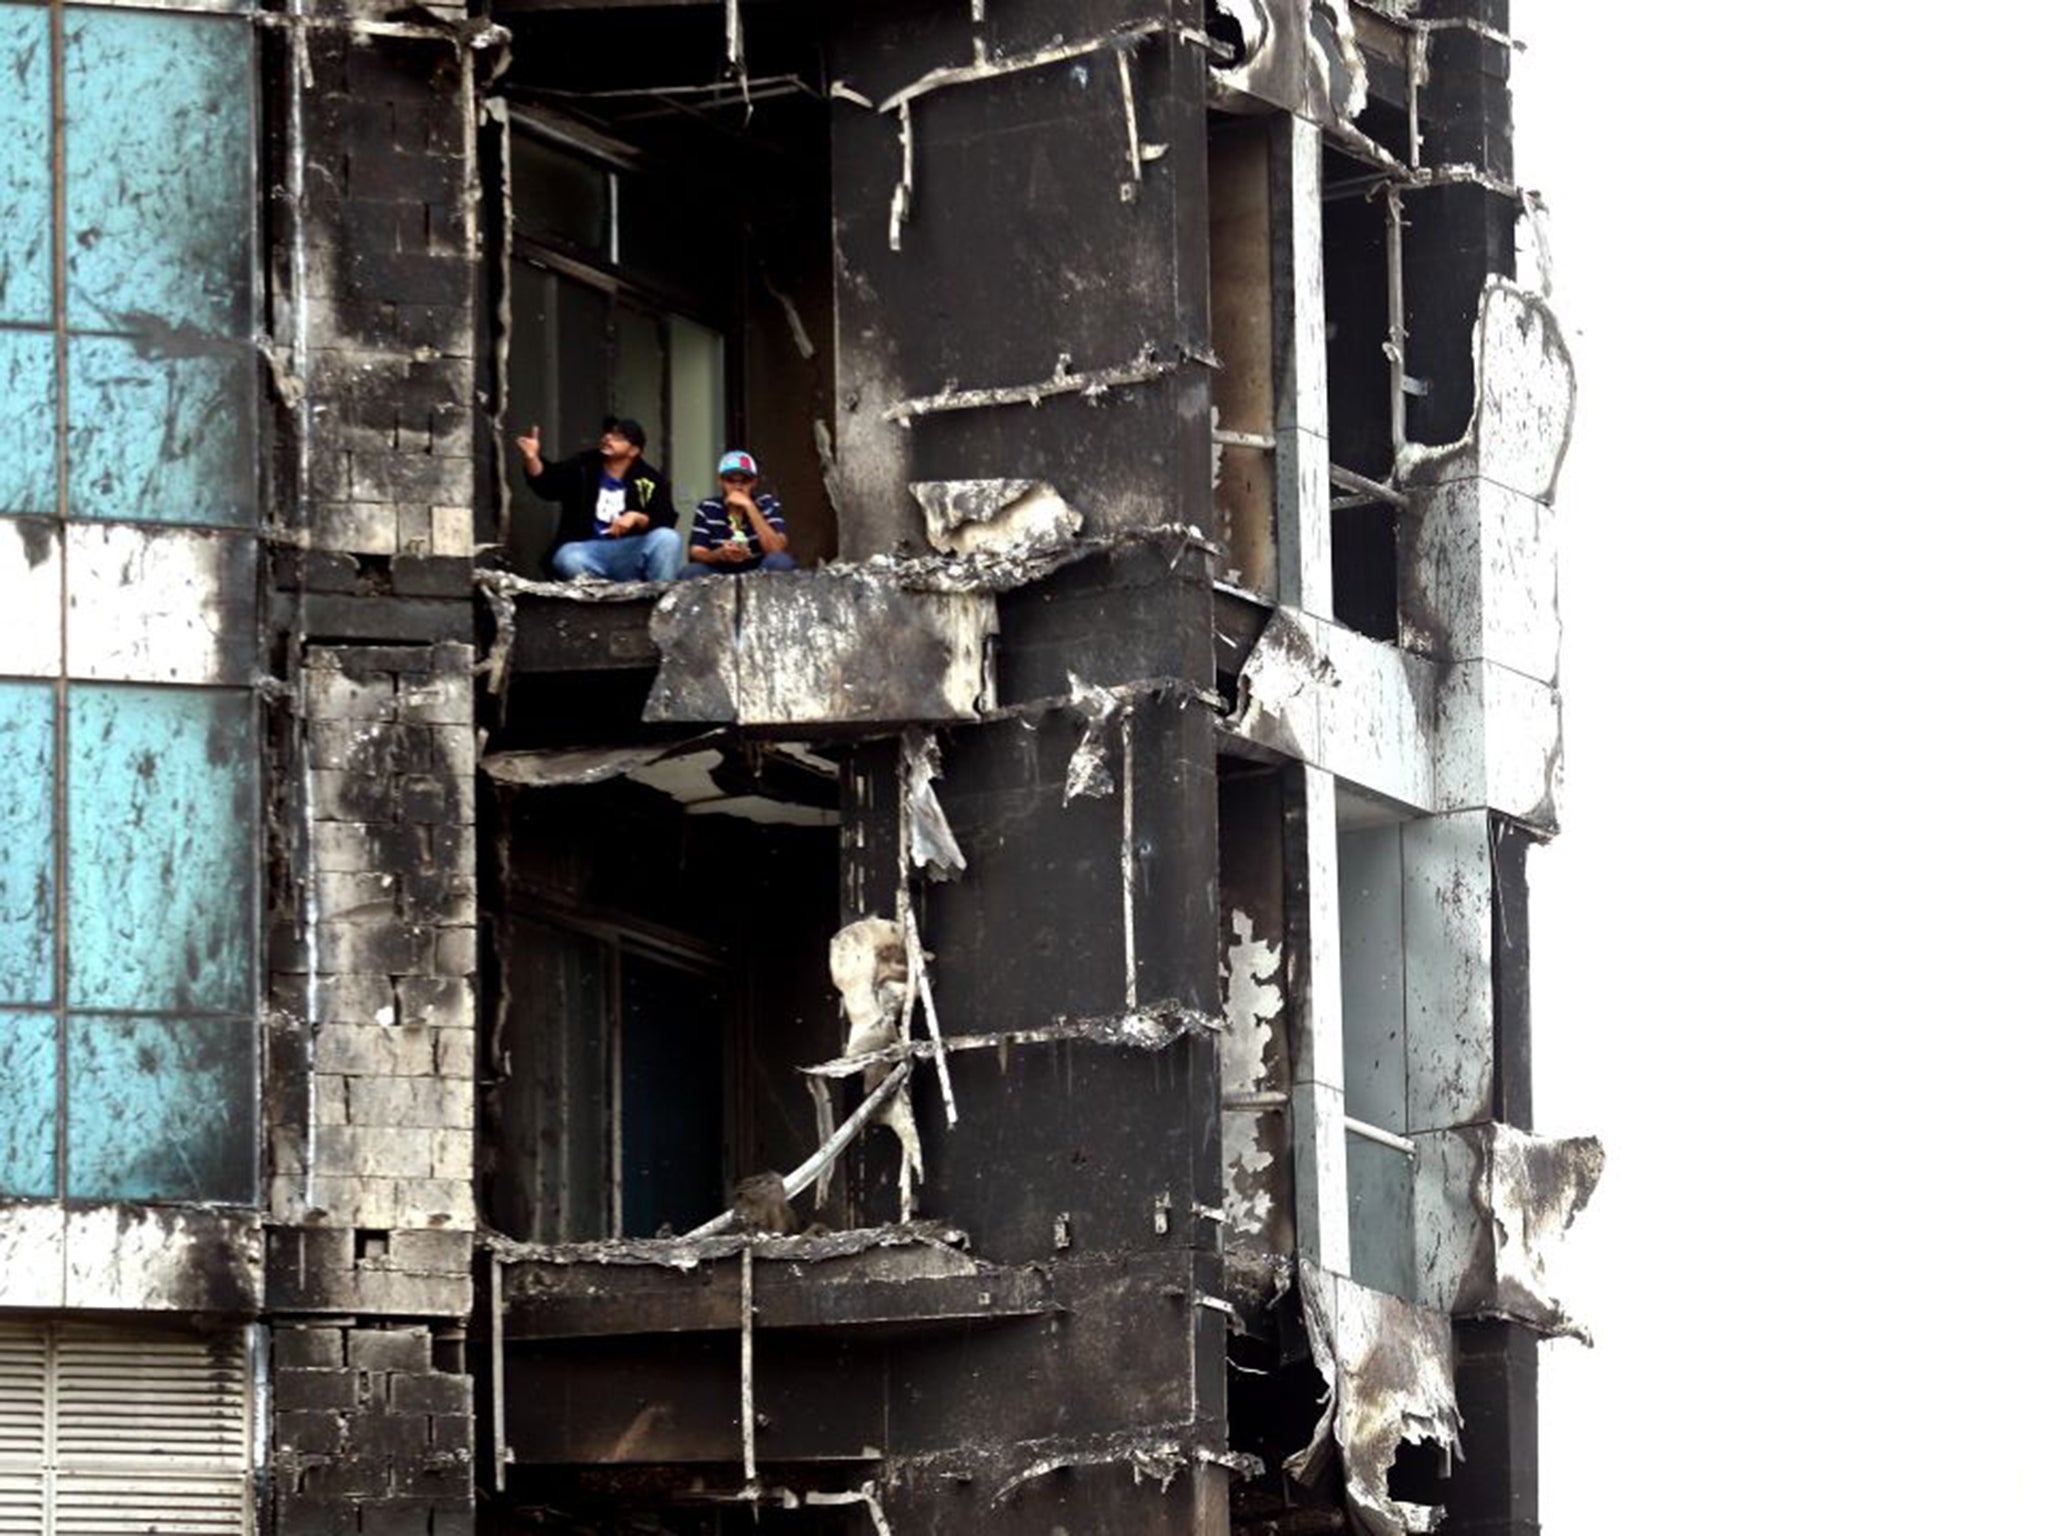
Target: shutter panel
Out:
[108,1431]
[24,1426]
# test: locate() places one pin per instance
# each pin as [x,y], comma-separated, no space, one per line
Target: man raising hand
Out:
[618,520]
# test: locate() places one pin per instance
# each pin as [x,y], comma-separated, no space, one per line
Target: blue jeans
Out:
[782,562]
[656,555]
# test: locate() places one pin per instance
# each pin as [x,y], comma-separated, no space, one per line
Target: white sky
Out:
[1787,949]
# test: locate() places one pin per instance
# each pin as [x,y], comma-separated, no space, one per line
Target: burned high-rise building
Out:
[1020,1024]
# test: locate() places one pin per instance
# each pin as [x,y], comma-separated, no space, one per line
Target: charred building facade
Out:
[1020,1024]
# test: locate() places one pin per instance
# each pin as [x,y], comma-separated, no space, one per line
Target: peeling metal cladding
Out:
[1491,1202]
[1359,708]
[1335,77]
[1390,1368]
[1521,422]
[969,516]
[119,1257]
[799,649]
[1253,1060]
[1089,776]
[933,848]
[1273,33]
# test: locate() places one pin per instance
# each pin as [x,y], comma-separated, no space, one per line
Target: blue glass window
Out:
[159,807]
[26,174]
[28,1103]
[156,1109]
[28,843]
[142,338]
[129,816]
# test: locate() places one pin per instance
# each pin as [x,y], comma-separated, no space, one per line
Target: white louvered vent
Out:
[101,1505]
[24,1409]
[108,1431]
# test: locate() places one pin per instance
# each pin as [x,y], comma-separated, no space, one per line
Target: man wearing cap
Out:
[736,530]
[618,520]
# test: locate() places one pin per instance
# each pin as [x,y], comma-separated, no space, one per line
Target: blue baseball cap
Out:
[739,462]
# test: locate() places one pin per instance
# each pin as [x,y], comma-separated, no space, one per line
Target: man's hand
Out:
[529,449]
[734,551]
[625,523]
[739,496]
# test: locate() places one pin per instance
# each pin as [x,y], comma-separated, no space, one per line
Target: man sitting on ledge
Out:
[736,530]
[618,520]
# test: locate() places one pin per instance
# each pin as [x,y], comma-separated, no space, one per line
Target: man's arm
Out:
[661,506]
[705,546]
[549,481]
[773,540]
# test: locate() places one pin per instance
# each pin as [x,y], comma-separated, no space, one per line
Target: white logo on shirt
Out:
[610,503]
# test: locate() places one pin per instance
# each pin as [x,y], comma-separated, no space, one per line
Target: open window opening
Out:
[1368,388]
[669,252]
[659,962]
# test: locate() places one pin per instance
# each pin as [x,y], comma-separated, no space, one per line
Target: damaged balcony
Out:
[801,649]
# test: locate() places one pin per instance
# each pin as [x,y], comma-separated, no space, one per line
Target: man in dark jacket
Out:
[618,520]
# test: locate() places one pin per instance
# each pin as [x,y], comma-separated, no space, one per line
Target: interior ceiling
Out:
[658,77]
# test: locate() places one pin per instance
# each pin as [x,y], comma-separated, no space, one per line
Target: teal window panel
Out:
[28,843]
[27,174]
[160,819]
[28,1105]
[1382,1190]
[161,436]
[28,420]
[159,1109]
[158,172]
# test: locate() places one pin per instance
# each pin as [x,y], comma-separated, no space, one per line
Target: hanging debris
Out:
[933,847]
[1389,1367]
[1088,775]
[964,517]
[872,974]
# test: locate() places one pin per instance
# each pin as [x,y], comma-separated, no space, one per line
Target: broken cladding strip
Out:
[1145,368]
[1039,58]
[1149,1029]
[1122,40]
[1148,1454]
[467,34]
